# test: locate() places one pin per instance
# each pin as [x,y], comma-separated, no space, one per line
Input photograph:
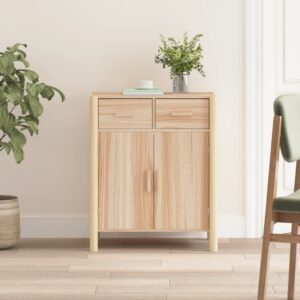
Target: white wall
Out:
[96,45]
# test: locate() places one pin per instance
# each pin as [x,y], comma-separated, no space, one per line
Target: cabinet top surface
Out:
[165,95]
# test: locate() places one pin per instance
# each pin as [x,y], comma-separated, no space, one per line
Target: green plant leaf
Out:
[14,94]
[24,108]
[7,64]
[17,142]
[21,78]
[18,152]
[20,55]
[32,123]
[61,94]
[47,92]
[4,115]
[34,89]
[11,79]
[31,75]
[25,63]
[35,105]
[5,146]
[16,47]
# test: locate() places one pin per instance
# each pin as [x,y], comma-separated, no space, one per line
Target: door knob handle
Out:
[182,114]
[123,115]
[149,180]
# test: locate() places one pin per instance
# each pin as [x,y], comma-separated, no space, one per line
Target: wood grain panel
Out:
[182,113]
[125,180]
[125,113]
[182,180]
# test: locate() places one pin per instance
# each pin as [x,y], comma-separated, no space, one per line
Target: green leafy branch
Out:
[180,56]
[20,100]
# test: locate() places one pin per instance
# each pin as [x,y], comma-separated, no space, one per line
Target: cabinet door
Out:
[125,180]
[181,180]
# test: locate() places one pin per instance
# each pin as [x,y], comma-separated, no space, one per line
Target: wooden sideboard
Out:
[152,164]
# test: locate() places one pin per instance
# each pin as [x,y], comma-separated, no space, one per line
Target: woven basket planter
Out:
[9,221]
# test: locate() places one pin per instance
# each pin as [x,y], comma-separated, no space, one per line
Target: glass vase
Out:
[180,83]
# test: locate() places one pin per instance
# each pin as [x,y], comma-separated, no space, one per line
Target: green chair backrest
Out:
[288,106]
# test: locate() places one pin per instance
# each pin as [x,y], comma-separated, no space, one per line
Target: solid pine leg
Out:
[213,241]
[94,241]
[293,260]
[94,174]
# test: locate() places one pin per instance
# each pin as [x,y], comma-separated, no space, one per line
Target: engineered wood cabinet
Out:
[125,181]
[181,180]
[152,164]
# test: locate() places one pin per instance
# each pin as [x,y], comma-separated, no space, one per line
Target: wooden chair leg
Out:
[264,264]
[292,269]
[271,194]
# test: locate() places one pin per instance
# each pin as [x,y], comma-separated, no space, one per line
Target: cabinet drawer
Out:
[125,113]
[182,113]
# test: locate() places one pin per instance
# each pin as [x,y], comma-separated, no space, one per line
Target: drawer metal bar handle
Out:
[123,115]
[182,114]
[149,180]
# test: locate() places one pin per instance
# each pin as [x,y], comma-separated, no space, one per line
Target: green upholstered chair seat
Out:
[290,203]
[288,107]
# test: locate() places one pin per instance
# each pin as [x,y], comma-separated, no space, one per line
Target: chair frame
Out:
[272,217]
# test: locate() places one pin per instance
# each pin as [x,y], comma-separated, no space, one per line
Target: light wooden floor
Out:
[139,269]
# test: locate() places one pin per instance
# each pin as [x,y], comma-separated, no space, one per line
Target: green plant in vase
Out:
[181,57]
[20,100]
[21,93]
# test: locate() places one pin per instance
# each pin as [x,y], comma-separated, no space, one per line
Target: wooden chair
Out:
[286,135]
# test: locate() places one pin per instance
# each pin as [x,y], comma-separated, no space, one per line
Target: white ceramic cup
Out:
[146,84]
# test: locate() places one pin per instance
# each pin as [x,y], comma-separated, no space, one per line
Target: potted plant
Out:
[181,57]
[20,109]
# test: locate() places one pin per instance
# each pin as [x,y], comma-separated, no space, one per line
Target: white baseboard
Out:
[231,226]
[54,226]
[77,227]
